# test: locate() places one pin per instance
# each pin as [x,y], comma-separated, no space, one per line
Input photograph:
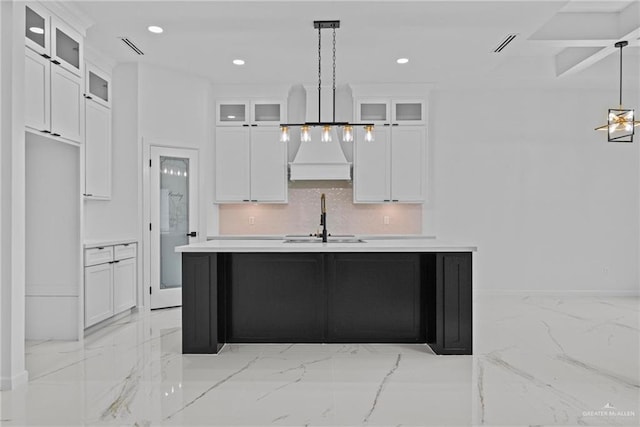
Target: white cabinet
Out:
[97,85]
[109,281]
[251,165]
[37,114]
[53,75]
[97,150]
[98,295]
[66,99]
[251,112]
[391,168]
[391,111]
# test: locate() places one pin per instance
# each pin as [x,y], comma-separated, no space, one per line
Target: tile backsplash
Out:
[302,215]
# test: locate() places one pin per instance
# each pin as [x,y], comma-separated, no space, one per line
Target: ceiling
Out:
[448,43]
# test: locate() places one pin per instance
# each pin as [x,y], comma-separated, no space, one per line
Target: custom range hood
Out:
[317,160]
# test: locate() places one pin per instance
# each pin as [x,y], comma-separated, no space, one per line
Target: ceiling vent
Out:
[504,43]
[132,45]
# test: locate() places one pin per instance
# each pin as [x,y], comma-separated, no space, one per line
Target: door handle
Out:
[192,234]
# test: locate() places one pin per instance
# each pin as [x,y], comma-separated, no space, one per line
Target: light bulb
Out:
[165,171]
[326,133]
[305,135]
[284,134]
[185,174]
[347,133]
[628,127]
[171,172]
[368,134]
[36,30]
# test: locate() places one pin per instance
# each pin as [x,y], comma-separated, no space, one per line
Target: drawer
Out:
[99,255]
[125,251]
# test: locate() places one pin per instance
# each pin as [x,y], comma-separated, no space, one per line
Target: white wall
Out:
[522,174]
[12,197]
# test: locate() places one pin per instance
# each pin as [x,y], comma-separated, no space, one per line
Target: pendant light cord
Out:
[319,72]
[621,46]
[334,74]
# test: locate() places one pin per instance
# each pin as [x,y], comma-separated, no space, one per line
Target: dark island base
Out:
[327,298]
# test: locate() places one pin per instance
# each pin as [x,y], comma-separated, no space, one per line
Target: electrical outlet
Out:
[385,220]
[252,220]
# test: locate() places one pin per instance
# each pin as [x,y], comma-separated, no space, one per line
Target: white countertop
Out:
[375,245]
[111,242]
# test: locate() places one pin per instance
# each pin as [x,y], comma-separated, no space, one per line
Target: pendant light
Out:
[621,122]
[346,127]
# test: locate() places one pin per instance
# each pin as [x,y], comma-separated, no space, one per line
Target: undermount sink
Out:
[330,239]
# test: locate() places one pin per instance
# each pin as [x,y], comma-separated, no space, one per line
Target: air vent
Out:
[132,45]
[504,43]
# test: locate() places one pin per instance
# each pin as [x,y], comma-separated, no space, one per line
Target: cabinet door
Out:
[454,303]
[36,29]
[407,164]
[372,110]
[37,103]
[408,111]
[98,293]
[268,165]
[124,285]
[66,96]
[371,167]
[232,113]
[67,47]
[232,164]
[268,112]
[97,150]
[97,85]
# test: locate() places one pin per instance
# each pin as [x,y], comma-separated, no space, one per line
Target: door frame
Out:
[144,290]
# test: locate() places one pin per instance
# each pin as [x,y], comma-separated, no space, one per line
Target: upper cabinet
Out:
[391,111]
[53,75]
[66,47]
[97,86]
[250,112]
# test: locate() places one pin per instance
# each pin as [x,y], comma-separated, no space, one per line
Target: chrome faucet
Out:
[323,217]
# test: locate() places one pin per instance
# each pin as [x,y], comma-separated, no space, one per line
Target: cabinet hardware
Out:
[246,200]
[126,244]
[117,261]
[394,200]
[150,290]
[44,55]
[87,96]
[254,125]
[55,134]
[192,234]
[387,200]
[87,194]
[55,62]
[386,124]
[395,124]
[245,125]
[45,131]
[255,200]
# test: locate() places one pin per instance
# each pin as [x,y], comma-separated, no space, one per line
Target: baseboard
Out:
[14,382]
[549,292]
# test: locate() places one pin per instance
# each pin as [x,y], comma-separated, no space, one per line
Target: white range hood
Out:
[318,160]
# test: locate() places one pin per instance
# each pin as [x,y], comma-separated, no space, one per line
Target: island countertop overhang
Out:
[275,246]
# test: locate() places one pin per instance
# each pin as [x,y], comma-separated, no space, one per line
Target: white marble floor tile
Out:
[537,361]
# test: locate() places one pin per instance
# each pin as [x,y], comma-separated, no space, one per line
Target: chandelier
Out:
[347,128]
[621,123]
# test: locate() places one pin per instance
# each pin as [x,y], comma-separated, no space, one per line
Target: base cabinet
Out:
[109,281]
[327,298]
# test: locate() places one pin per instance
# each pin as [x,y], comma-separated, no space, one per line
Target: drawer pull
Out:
[100,248]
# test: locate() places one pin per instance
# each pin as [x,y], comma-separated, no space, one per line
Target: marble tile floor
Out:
[538,361]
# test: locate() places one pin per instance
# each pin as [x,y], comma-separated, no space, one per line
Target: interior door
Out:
[174,219]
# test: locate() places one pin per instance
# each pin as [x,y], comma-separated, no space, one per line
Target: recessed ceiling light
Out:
[155,29]
[36,30]
[402,60]
[231,117]
[238,61]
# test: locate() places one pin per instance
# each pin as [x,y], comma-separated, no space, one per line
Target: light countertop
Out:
[110,242]
[374,245]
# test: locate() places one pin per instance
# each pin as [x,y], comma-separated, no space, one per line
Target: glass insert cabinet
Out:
[391,111]
[249,112]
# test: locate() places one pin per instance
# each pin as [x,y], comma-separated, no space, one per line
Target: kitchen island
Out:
[343,291]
